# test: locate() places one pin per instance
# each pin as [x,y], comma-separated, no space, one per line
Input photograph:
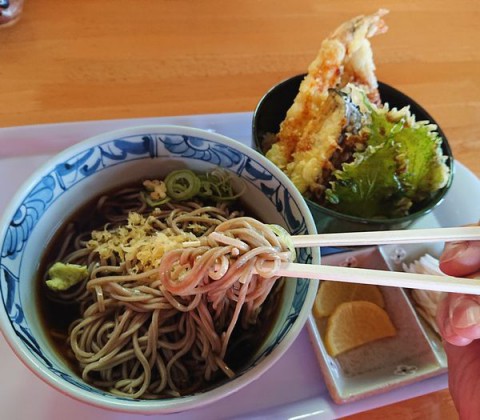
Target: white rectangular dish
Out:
[410,356]
[294,387]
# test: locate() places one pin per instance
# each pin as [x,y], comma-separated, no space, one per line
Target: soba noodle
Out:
[157,327]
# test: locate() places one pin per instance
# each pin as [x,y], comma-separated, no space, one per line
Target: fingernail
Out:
[453,250]
[469,317]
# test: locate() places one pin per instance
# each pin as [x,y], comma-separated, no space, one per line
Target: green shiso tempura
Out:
[400,163]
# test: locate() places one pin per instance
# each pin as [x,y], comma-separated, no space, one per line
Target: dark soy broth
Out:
[56,316]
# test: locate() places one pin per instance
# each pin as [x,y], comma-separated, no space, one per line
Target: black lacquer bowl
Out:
[271,111]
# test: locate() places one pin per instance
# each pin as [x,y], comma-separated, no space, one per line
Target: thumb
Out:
[460,258]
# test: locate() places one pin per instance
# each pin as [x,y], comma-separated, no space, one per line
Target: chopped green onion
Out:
[182,184]
[153,203]
[217,185]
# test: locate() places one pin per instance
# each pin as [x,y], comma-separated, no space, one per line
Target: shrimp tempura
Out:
[344,57]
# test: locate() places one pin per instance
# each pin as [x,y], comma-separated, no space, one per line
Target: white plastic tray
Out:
[294,387]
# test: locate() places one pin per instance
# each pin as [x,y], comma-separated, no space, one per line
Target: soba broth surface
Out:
[57,316]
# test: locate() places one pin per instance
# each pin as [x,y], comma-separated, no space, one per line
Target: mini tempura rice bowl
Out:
[271,111]
[77,175]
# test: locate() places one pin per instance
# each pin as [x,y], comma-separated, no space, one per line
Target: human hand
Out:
[458,319]
[458,316]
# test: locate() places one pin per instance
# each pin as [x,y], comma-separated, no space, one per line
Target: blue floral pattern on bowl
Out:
[83,164]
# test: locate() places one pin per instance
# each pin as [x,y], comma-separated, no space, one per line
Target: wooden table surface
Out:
[86,60]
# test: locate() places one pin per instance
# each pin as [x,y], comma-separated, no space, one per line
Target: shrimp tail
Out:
[344,57]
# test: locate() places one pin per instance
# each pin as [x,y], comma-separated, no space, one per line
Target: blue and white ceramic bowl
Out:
[110,160]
